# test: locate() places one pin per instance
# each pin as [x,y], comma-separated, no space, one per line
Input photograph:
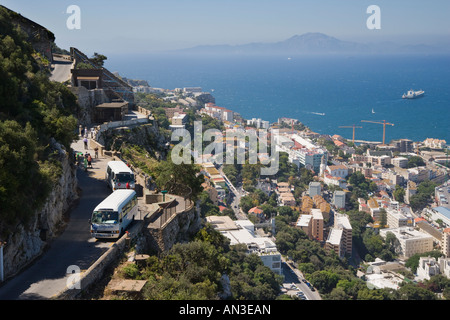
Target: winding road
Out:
[48,275]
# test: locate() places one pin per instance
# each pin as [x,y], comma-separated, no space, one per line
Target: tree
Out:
[410,291]
[399,193]
[415,161]
[98,59]
[21,176]
[324,280]
[179,179]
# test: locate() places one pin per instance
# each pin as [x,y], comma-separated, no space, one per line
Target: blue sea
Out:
[343,88]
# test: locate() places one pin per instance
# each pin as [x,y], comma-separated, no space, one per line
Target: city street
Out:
[294,280]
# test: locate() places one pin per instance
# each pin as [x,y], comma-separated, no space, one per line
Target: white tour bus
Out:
[119,176]
[113,215]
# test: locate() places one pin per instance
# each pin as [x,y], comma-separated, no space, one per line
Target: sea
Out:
[324,92]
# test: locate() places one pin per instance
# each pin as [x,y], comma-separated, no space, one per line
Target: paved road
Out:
[294,276]
[61,69]
[48,275]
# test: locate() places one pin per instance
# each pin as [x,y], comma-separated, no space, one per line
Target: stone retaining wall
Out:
[97,269]
[177,229]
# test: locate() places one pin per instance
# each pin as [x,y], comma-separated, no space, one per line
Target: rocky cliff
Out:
[27,242]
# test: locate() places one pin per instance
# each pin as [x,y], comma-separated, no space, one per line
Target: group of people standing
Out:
[85,134]
[86,158]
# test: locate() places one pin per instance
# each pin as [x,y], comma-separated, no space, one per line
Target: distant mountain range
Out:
[316,43]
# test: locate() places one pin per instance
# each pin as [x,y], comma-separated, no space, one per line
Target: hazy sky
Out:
[112,26]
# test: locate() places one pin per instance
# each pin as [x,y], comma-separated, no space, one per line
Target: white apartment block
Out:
[397,219]
[401,162]
[340,236]
[242,231]
[434,143]
[217,112]
[315,188]
[304,153]
[341,221]
[444,266]
[428,267]
[304,223]
[339,199]
[334,242]
[259,123]
[411,241]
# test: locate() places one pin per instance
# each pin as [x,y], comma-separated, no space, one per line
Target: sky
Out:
[112,26]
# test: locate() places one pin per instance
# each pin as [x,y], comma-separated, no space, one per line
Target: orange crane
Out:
[353,126]
[384,123]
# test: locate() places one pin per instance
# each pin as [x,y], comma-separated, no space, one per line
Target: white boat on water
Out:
[373,111]
[411,94]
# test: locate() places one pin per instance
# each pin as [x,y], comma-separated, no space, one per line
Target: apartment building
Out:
[374,209]
[315,188]
[434,143]
[311,224]
[341,221]
[403,145]
[307,204]
[317,224]
[304,223]
[401,162]
[334,242]
[243,232]
[446,242]
[339,199]
[397,219]
[259,123]
[287,199]
[340,236]
[303,153]
[217,112]
[411,241]
[428,267]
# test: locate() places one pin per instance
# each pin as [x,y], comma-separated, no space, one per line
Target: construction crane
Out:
[353,126]
[384,123]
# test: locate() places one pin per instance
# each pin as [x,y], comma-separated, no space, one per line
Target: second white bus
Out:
[119,176]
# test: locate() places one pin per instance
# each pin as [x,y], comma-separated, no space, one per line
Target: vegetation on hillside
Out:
[202,270]
[33,110]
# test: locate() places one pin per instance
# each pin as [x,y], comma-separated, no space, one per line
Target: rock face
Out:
[146,136]
[38,36]
[27,242]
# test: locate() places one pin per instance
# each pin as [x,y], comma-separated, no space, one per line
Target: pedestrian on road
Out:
[89,160]
[85,164]
[96,152]
[85,140]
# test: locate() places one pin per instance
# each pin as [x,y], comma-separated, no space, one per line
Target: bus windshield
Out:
[124,177]
[105,217]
